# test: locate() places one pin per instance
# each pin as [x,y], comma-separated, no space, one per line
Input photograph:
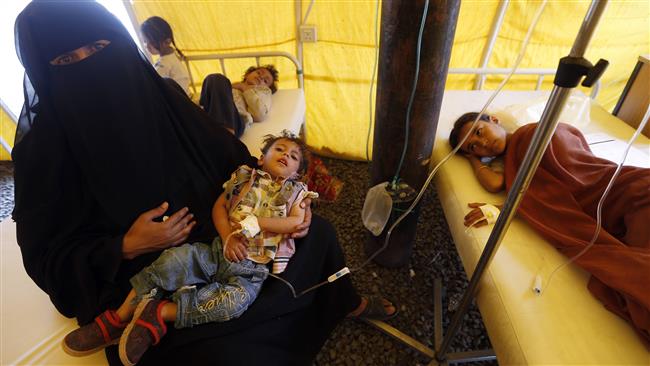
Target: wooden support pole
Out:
[400,24]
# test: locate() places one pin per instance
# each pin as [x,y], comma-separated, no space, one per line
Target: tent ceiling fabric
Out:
[338,68]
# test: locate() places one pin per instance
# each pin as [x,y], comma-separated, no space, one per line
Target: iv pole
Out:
[571,70]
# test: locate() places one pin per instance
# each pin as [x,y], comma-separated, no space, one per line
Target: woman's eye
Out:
[97,46]
[478,132]
[63,60]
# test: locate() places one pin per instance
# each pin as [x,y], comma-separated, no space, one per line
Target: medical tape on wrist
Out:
[249,226]
[490,213]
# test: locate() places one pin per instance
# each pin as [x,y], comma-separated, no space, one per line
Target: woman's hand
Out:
[235,249]
[475,214]
[147,235]
[301,230]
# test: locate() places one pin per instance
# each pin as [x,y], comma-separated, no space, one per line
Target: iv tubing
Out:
[412,96]
[602,199]
[453,151]
[372,80]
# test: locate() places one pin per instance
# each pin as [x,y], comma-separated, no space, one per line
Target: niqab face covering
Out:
[111,115]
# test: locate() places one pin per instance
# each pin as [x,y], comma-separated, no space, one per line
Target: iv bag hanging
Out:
[377,208]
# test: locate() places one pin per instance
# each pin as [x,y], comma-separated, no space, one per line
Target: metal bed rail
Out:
[256,55]
[481,72]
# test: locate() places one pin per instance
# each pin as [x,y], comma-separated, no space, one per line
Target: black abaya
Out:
[105,139]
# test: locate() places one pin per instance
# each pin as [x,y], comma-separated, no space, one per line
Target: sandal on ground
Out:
[376,309]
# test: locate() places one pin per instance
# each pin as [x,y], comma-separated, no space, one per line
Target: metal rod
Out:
[540,140]
[400,336]
[437,313]
[221,57]
[494,32]
[297,8]
[11,114]
[471,356]
[223,67]
[588,27]
[128,6]
[540,80]
[5,145]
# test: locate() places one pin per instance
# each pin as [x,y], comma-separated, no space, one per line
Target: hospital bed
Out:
[566,325]
[287,106]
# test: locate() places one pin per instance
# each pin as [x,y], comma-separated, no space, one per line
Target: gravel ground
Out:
[6,189]
[355,343]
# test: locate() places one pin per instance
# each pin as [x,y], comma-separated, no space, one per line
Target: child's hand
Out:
[475,214]
[235,249]
[242,86]
[302,229]
[472,158]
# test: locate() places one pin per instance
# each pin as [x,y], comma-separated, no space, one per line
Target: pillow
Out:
[575,112]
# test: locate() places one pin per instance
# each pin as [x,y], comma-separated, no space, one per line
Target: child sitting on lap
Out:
[204,283]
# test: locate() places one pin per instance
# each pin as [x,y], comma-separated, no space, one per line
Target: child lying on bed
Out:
[253,214]
[236,106]
[561,202]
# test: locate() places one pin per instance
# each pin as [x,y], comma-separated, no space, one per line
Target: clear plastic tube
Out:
[453,151]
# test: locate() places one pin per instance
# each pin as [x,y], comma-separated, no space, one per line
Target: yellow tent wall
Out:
[338,68]
[7,132]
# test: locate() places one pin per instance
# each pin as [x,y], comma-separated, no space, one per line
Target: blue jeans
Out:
[206,287]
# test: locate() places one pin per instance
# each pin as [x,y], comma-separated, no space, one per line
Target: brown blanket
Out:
[561,205]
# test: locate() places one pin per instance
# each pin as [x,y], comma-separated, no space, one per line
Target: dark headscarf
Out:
[99,142]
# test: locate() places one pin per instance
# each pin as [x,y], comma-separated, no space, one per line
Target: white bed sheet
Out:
[287,113]
[564,326]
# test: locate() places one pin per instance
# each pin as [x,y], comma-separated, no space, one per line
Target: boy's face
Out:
[487,138]
[282,160]
[259,77]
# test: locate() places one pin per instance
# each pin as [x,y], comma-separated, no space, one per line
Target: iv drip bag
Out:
[377,208]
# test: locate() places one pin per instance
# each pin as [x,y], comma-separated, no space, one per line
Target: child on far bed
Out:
[199,283]
[236,106]
[159,40]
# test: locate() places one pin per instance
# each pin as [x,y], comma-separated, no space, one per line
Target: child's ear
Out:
[260,161]
[495,120]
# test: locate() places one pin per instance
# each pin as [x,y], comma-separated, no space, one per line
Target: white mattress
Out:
[564,326]
[287,113]
[31,329]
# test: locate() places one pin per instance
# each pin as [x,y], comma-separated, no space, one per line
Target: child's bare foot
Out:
[374,307]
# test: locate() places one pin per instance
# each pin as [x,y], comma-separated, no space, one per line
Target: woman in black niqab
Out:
[101,141]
